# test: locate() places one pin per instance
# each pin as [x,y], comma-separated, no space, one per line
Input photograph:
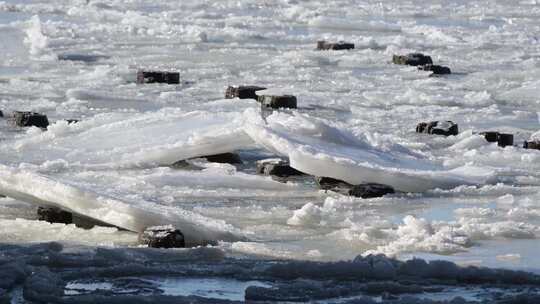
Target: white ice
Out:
[471,200]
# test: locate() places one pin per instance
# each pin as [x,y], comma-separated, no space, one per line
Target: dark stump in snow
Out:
[504,140]
[531,145]
[323,45]
[370,190]
[72,121]
[276,102]
[1,113]
[445,128]
[224,158]
[490,136]
[243,92]
[414,59]
[328,183]
[366,190]
[162,237]
[54,215]
[29,119]
[158,77]
[436,69]
[277,168]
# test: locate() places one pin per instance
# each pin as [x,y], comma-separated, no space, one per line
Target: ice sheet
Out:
[321,150]
[127,140]
[134,215]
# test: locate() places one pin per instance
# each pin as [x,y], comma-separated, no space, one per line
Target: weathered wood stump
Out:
[414,59]
[323,45]
[243,92]
[278,169]
[365,190]
[490,136]
[158,77]
[162,237]
[370,190]
[29,119]
[328,183]
[278,101]
[436,69]
[535,144]
[504,140]
[445,128]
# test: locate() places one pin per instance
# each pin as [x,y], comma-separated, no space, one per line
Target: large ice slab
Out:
[319,149]
[134,215]
[120,140]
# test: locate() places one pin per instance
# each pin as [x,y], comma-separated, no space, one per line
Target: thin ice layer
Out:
[127,140]
[319,149]
[134,215]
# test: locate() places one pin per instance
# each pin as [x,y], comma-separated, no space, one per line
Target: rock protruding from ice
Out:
[535,144]
[435,69]
[490,136]
[278,101]
[328,183]
[243,92]
[29,119]
[414,59]
[505,139]
[277,168]
[502,139]
[162,237]
[370,190]
[364,190]
[158,77]
[445,128]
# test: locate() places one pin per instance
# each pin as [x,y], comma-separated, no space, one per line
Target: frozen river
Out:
[463,199]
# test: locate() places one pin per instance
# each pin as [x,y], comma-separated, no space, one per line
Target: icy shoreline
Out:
[49,272]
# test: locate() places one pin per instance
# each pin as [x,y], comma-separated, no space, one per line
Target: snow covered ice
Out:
[459,198]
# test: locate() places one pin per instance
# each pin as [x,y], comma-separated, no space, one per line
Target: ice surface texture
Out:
[128,132]
[312,146]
